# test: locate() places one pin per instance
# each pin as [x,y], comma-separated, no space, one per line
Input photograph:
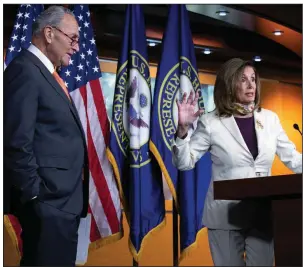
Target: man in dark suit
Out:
[45,154]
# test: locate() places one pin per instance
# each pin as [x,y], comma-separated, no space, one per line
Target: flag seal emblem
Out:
[131,108]
[172,89]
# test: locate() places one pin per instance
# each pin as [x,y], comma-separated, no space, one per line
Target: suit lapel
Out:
[48,76]
[56,86]
[259,127]
[232,127]
[60,91]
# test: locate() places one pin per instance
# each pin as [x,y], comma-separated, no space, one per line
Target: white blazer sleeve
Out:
[286,149]
[186,152]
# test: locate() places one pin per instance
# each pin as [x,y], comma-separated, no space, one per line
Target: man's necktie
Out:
[61,82]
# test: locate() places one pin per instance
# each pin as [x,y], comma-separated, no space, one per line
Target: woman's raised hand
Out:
[186,110]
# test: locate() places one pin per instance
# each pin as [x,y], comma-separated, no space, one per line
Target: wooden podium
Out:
[285,194]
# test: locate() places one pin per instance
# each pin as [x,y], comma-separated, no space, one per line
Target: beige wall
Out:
[284,99]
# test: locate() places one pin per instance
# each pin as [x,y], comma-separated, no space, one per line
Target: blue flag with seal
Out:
[138,176]
[177,73]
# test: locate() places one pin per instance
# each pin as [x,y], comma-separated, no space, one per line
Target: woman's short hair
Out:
[228,78]
[50,17]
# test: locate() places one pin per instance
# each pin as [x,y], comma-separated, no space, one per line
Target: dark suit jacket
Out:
[44,143]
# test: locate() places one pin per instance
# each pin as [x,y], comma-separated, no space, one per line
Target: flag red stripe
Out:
[101,186]
[94,231]
[98,176]
[101,109]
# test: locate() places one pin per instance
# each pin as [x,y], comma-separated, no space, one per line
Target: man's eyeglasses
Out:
[73,40]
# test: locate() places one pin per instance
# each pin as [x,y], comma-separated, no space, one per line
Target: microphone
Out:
[296,127]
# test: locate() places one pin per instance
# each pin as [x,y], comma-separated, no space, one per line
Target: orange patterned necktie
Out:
[60,81]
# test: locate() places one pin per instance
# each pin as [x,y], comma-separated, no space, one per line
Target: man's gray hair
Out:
[50,17]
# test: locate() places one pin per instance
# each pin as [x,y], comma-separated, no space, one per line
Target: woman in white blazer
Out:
[243,139]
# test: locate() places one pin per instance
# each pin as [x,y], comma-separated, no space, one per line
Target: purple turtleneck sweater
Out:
[247,129]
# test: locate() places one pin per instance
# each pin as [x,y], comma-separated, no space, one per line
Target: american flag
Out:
[82,77]
[22,32]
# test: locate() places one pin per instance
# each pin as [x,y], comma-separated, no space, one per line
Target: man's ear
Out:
[49,34]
